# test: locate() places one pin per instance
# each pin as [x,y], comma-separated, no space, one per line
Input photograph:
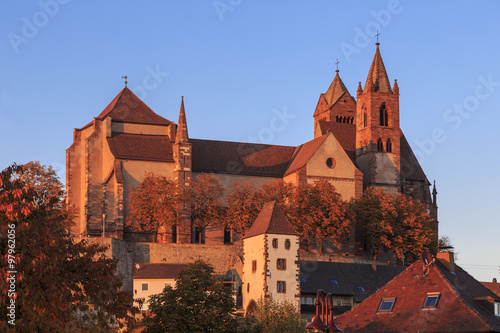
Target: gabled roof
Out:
[271,220]
[240,158]
[141,147]
[344,133]
[303,153]
[457,310]
[336,90]
[127,107]
[377,75]
[157,271]
[349,277]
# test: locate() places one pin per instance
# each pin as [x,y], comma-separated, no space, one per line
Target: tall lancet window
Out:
[388,146]
[384,116]
[380,145]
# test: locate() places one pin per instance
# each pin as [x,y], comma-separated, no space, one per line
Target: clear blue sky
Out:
[237,62]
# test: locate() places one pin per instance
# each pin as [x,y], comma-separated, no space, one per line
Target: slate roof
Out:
[141,147]
[378,75]
[458,309]
[350,276]
[240,158]
[157,271]
[127,107]
[271,220]
[410,168]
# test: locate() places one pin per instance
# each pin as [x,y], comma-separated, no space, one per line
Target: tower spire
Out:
[377,79]
[182,131]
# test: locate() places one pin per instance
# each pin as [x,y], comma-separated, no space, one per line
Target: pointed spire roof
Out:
[271,220]
[182,131]
[336,90]
[377,76]
[127,107]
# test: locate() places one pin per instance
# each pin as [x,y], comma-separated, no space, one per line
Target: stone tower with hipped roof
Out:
[377,130]
[270,259]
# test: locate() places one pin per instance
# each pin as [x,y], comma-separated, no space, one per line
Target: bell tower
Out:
[377,129]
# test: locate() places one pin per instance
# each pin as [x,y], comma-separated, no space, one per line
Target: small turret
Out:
[360,89]
[395,88]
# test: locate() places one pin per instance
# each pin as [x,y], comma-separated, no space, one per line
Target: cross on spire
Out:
[378,34]
[337,64]
[125,77]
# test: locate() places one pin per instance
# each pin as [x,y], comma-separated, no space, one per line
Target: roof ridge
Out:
[451,286]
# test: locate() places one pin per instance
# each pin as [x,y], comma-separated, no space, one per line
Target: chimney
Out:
[494,280]
[447,259]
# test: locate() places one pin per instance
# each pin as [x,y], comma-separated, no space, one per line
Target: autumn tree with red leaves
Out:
[207,207]
[392,221]
[318,213]
[153,204]
[58,284]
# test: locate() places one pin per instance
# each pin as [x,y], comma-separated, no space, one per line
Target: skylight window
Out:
[302,280]
[386,304]
[334,282]
[431,300]
[360,289]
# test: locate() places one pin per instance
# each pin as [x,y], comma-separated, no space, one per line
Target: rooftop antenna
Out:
[125,77]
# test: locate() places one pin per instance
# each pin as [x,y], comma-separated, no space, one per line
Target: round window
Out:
[330,162]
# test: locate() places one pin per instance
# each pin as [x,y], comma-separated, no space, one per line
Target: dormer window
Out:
[386,304]
[431,301]
[497,309]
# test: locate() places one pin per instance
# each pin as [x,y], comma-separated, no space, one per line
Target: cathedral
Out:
[357,143]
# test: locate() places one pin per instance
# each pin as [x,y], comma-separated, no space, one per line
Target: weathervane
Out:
[337,63]
[125,77]
[378,34]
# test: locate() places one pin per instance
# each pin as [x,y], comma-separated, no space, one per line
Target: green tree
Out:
[153,205]
[60,284]
[271,316]
[200,302]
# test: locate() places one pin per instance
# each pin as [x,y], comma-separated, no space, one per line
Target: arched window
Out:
[384,121]
[365,118]
[337,119]
[388,146]
[380,145]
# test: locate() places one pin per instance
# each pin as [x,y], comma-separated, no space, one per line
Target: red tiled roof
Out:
[141,147]
[303,154]
[271,220]
[127,107]
[240,158]
[157,271]
[457,309]
[493,286]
